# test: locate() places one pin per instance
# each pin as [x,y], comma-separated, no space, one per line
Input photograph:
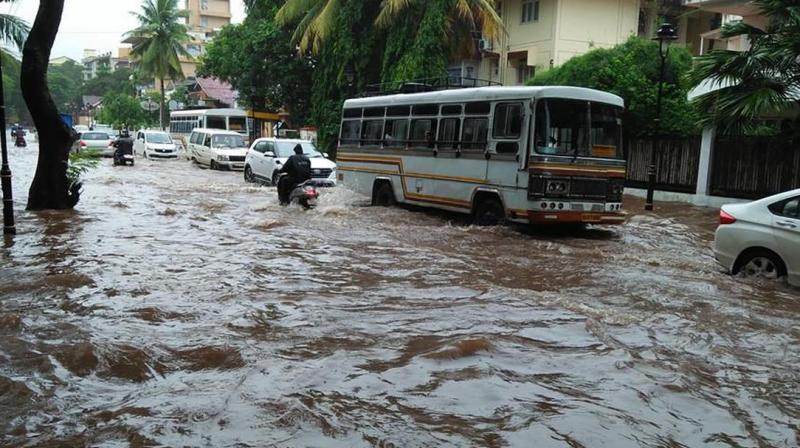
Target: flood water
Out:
[177,306]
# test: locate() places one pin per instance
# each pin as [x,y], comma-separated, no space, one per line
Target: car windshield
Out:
[158,138]
[95,136]
[286,149]
[228,141]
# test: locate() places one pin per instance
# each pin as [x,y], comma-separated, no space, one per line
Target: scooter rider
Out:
[124,145]
[298,170]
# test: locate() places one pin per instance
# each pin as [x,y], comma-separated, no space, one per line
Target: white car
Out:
[761,238]
[217,148]
[267,156]
[155,145]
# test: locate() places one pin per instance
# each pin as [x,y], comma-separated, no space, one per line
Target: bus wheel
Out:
[383,195]
[489,212]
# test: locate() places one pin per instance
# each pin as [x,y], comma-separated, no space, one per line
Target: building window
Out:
[204,4]
[204,21]
[524,72]
[499,8]
[530,11]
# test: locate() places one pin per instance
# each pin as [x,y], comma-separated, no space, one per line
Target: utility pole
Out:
[5,172]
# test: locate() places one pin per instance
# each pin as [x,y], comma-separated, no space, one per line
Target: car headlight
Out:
[333,174]
[222,157]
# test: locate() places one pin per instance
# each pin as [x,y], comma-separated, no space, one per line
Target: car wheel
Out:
[489,212]
[248,175]
[213,165]
[762,264]
[275,177]
[384,195]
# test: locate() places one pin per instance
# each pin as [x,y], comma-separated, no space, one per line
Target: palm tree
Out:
[159,42]
[763,79]
[317,18]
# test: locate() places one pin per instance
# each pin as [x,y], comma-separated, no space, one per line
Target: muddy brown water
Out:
[181,307]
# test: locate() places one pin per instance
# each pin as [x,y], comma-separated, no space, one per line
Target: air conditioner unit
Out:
[485,44]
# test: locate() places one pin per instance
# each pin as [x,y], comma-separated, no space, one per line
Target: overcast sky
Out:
[95,24]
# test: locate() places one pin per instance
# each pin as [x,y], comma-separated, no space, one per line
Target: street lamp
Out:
[5,171]
[665,35]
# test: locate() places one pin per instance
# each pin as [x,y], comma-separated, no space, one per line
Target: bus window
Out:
[478,108]
[371,132]
[352,113]
[350,131]
[422,132]
[474,136]
[374,112]
[426,109]
[396,133]
[566,128]
[606,131]
[398,111]
[237,123]
[215,122]
[451,109]
[507,126]
[449,132]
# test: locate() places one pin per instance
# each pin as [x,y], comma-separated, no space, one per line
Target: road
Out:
[177,306]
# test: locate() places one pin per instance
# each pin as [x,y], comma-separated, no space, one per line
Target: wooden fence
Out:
[676,158]
[754,167]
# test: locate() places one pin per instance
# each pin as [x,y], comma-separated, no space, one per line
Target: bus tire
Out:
[488,211]
[383,194]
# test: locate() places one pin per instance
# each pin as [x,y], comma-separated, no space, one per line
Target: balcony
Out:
[216,13]
[731,7]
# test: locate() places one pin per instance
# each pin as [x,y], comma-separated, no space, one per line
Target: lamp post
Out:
[5,172]
[665,35]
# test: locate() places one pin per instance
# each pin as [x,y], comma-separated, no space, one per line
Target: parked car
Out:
[761,238]
[96,141]
[155,145]
[218,149]
[81,128]
[266,156]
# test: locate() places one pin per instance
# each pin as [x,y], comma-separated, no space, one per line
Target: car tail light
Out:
[83,144]
[311,192]
[725,218]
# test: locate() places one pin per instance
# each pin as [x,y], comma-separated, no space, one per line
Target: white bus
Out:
[523,154]
[182,122]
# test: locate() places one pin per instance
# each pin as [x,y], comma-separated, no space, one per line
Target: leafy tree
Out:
[762,80]
[121,111]
[66,81]
[13,30]
[181,95]
[160,40]
[257,59]
[631,70]
[107,81]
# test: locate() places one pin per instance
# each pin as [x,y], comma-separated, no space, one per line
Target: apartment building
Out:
[206,17]
[545,33]
[93,62]
[729,11]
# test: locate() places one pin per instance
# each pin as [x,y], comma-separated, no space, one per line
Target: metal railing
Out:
[426,85]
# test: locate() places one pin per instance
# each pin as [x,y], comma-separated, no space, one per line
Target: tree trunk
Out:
[161,111]
[50,188]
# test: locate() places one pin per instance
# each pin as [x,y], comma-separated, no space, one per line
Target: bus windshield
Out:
[578,128]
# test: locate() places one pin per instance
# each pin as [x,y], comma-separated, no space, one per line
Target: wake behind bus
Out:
[521,154]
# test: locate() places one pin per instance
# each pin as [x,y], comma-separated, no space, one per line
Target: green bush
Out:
[631,70]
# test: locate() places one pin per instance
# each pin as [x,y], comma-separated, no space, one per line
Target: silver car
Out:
[761,238]
[94,140]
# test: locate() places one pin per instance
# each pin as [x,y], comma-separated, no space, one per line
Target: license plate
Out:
[128,156]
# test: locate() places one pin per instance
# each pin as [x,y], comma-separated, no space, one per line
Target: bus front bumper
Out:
[554,217]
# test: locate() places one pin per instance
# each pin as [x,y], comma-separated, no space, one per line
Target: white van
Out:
[154,145]
[217,148]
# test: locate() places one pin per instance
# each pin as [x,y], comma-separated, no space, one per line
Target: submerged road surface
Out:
[181,307]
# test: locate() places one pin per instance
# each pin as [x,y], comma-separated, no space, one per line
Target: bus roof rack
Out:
[426,85]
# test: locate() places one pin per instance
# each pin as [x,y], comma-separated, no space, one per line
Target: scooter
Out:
[122,156]
[19,140]
[304,194]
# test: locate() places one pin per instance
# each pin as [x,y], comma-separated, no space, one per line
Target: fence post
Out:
[704,167]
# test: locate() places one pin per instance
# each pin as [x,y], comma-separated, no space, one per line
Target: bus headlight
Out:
[556,187]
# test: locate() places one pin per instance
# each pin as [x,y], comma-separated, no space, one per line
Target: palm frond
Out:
[14,29]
